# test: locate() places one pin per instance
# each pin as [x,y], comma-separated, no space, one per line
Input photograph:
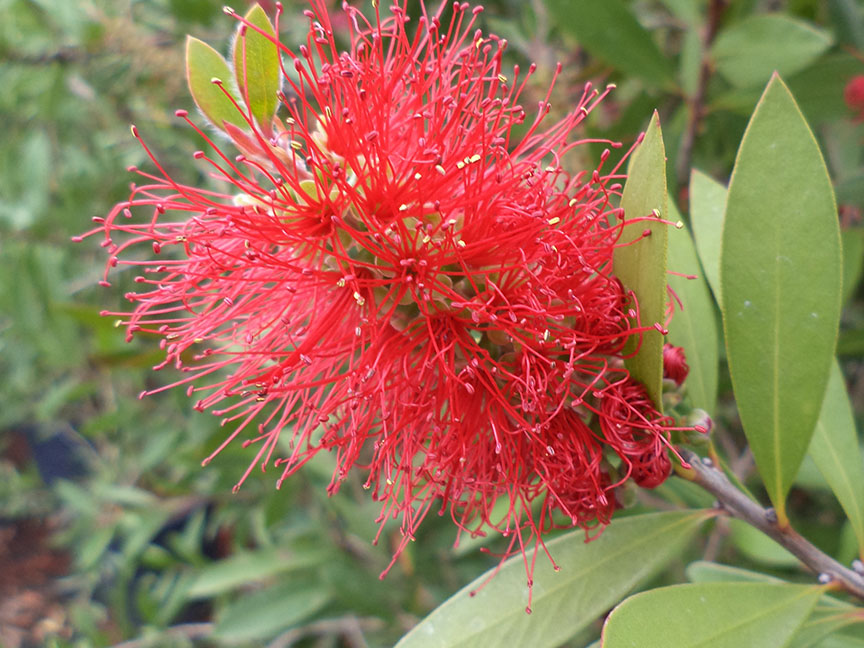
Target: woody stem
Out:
[735,503]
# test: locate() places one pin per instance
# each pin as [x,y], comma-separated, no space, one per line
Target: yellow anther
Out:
[554,220]
[502,78]
[418,175]
[655,213]
[679,225]
[426,239]
[440,169]
[572,202]
[403,207]
[460,243]
[296,145]
[460,165]
[475,158]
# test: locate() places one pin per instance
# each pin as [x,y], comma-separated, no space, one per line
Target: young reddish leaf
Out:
[256,66]
[204,65]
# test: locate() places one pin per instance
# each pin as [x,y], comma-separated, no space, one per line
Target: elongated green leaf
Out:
[780,275]
[641,266]
[593,577]
[256,65]
[758,547]
[268,612]
[720,615]
[203,65]
[835,450]
[748,52]
[847,17]
[829,615]
[688,11]
[824,621]
[853,257]
[703,571]
[841,640]
[707,207]
[695,326]
[601,26]
[245,568]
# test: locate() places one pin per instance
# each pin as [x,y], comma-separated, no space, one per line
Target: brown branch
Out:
[697,101]
[736,504]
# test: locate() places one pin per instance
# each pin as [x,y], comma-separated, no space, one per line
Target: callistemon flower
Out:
[400,271]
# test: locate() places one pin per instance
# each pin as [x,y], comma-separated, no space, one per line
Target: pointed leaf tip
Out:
[204,65]
[641,265]
[257,66]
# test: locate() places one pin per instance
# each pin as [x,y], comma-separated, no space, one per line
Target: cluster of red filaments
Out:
[403,274]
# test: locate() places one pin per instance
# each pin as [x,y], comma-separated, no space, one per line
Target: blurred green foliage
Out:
[159,548]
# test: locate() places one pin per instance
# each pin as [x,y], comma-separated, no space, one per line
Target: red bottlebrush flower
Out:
[401,272]
[853,94]
[675,364]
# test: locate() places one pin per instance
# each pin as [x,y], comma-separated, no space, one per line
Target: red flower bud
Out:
[675,364]
[853,94]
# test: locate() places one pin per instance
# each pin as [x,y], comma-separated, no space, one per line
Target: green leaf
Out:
[835,450]
[601,26]
[707,207]
[848,19]
[593,577]
[748,52]
[829,615]
[824,621]
[246,568]
[704,571]
[853,257]
[780,275]
[264,614]
[689,12]
[694,327]
[641,266]
[203,65]
[758,547]
[841,641]
[256,64]
[720,615]
[819,88]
